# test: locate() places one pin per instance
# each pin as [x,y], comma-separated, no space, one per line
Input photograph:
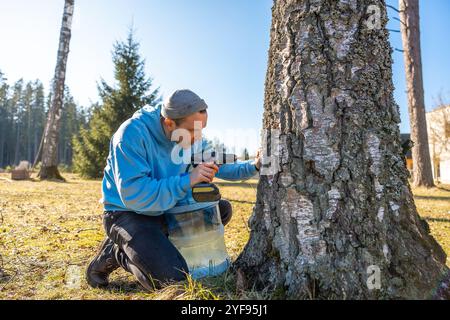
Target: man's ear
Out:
[169,123]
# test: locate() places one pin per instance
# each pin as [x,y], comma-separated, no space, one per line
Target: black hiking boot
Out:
[102,265]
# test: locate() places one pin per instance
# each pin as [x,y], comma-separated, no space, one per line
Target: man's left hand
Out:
[258,159]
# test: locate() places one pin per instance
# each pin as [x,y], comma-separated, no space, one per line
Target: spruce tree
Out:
[130,92]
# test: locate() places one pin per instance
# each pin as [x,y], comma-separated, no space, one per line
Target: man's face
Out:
[190,128]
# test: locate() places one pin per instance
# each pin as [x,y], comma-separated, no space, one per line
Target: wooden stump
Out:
[20,174]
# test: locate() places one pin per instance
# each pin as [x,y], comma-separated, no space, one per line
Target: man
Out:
[142,181]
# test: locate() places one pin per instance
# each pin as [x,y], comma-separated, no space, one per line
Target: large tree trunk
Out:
[410,27]
[49,168]
[337,218]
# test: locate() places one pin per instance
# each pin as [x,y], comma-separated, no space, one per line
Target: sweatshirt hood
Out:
[151,117]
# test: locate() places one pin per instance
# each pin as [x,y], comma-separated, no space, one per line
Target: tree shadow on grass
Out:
[437,219]
[443,187]
[432,198]
[241,201]
[37,179]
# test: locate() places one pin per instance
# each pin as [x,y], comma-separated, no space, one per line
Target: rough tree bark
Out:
[49,167]
[410,29]
[338,212]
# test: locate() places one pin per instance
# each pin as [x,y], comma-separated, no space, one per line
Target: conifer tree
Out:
[130,92]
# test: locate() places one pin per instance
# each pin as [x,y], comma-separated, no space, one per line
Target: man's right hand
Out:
[204,172]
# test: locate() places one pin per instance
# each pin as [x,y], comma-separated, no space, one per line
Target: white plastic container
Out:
[198,234]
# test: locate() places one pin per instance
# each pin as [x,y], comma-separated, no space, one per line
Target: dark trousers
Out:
[144,249]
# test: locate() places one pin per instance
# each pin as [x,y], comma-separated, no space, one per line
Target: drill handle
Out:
[206,192]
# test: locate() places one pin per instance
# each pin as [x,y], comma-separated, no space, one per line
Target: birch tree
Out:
[335,216]
[49,166]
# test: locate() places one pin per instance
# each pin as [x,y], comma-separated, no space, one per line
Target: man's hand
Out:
[204,172]
[258,159]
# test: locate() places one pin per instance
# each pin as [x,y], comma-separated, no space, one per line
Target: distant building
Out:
[438,125]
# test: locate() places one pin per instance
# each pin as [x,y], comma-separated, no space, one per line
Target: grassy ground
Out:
[49,231]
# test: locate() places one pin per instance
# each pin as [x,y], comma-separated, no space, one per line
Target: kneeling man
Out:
[141,181]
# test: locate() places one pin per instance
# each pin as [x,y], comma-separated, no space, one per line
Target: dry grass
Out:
[434,205]
[51,230]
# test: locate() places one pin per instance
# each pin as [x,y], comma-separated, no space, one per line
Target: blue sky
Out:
[216,48]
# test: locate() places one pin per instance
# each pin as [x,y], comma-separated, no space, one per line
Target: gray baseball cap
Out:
[182,103]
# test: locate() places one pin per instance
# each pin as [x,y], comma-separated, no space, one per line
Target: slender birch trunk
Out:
[49,167]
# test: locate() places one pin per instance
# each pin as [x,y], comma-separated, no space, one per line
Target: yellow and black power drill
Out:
[209,192]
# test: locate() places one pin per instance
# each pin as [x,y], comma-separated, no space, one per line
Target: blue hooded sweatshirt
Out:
[140,175]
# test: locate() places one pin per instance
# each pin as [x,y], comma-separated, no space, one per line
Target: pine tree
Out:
[245,155]
[3,116]
[410,27]
[23,115]
[17,108]
[4,89]
[27,122]
[130,92]
[38,117]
